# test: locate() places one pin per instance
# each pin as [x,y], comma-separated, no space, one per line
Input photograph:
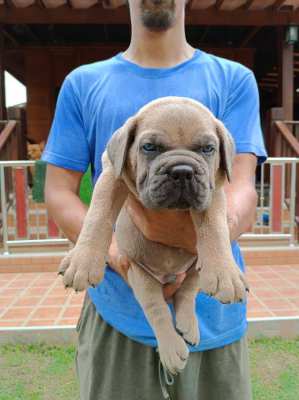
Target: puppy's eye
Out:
[149,148]
[208,149]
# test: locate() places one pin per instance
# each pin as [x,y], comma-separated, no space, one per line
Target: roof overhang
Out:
[199,12]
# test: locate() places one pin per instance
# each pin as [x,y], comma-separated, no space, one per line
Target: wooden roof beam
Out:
[41,3]
[190,4]
[98,15]
[111,4]
[250,36]
[218,4]
[10,37]
[247,5]
[276,6]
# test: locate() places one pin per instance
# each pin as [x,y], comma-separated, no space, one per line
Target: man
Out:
[116,356]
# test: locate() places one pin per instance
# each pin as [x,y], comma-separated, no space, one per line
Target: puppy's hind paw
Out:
[187,326]
[174,353]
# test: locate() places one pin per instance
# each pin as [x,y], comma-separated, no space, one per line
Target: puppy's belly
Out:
[159,259]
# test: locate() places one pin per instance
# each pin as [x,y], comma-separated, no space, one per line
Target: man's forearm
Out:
[68,212]
[241,208]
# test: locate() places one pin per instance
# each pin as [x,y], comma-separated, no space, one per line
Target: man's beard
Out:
[159,17]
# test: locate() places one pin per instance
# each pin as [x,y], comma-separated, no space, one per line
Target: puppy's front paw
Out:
[186,322]
[225,282]
[81,268]
[173,353]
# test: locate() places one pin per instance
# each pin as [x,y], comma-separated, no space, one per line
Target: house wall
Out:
[46,68]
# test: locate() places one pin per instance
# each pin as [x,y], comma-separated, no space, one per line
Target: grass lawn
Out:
[47,373]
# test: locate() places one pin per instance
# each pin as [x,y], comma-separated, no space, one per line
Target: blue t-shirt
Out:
[95,100]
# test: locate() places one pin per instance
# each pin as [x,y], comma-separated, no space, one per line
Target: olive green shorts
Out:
[111,366]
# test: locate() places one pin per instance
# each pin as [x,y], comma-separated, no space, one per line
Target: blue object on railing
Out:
[265,218]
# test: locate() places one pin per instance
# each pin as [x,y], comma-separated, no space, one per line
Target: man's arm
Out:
[241,195]
[63,202]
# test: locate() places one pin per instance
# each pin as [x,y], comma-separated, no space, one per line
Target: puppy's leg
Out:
[172,347]
[219,275]
[184,304]
[84,264]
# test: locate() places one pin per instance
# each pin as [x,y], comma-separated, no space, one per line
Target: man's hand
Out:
[170,227]
[121,264]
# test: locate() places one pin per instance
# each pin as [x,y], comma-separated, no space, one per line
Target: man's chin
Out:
[159,17]
[157,22]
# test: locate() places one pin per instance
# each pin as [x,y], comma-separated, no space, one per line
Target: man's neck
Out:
[158,49]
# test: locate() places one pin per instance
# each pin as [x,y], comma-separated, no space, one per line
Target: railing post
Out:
[276,199]
[297,199]
[3,210]
[293,201]
[21,201]
[52,228]
[276,114]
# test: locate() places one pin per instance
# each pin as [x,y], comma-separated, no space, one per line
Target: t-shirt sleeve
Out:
[67,145]
[242,117]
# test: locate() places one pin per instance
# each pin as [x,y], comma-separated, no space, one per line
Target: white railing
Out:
[25,224]
[277,187]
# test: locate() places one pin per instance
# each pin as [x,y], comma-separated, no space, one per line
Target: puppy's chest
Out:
[162,262]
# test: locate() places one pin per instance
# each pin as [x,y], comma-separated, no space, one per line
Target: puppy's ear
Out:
[119,144]
[227,149]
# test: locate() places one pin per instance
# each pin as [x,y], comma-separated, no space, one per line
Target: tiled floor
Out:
[39,299]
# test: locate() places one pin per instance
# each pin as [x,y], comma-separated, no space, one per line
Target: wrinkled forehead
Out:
[184,123]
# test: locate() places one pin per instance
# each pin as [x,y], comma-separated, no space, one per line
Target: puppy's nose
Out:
[181,172]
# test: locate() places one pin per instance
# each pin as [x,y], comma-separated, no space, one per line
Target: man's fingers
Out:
[117,261]
[170,289]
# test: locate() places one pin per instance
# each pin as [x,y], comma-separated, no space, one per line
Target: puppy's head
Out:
[175,152]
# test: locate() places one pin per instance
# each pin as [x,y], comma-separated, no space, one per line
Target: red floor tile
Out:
[286,313]
[71,312]
[278,304]
[27,301]
[14,313]
[279,283]
[259,314]
[41,322]
[17,284]
[77,299]
[261,283]
[265,293]
[33,291]
[54,301]
[43,283]
[5,301]
[12,292]
[59,291]
[68,321]
[46,313]
[268,275]
[256,305]
[295,302]
[6,276]
[40,299]
[8,324]
[289,292]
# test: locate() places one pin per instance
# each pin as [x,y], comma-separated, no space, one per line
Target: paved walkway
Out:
[39,299]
